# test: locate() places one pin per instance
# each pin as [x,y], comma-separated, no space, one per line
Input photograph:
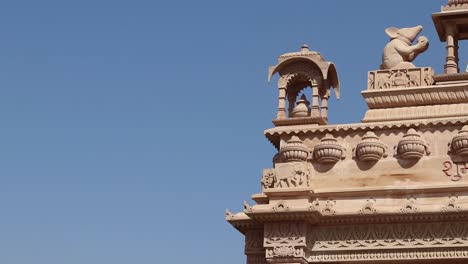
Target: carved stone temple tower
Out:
[391,189]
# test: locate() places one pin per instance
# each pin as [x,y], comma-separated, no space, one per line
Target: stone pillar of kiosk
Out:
[451,61]
[452,26]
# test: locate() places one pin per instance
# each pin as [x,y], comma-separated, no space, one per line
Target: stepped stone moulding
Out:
[294,150]
[411,146]
[328,150]
[370,148]
[459,144]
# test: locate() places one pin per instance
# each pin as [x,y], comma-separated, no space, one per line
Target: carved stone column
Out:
[285,242]
[451,65]
[281,103]
[291,101]
[254,247]
[315,109]
[324,107]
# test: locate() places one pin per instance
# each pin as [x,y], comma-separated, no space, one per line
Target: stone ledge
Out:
[456,77]
[417,96]
[416,112]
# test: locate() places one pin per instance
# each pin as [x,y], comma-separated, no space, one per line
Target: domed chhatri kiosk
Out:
[391,189]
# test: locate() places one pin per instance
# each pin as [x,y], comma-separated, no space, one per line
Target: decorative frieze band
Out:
[285,239]
[400,78]
[386,236]
[367,255]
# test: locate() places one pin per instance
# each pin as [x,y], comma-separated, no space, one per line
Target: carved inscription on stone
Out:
[455,170]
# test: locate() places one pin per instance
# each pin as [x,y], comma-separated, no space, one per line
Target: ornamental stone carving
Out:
[285,239]
[411,146]
[281,206]
[328,150]
[399,52]
[268,178]
[456,5]
[451,204]
[327,209]
[229,215]
[459,144]
[400,78]
[410,206]
[457,2]
[285,251]
[370,148]
[290,175]
[294,150]
[385,236]
[369,207]
[285,234]
[247,207]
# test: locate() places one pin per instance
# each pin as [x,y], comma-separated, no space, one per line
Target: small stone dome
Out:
[304,52]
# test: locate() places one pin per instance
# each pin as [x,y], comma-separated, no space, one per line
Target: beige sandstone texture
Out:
[391,189]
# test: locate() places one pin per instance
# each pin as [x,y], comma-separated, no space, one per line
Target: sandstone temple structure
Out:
[391,189]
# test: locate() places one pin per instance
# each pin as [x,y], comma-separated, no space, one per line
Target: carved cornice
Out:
[405,97]
[273,134]
[324,213]
[393,218]
[243,223]
[359,192]
[275,216]
[416,112]
[299,121]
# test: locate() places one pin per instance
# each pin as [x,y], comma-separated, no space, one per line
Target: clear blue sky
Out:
[128,127]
